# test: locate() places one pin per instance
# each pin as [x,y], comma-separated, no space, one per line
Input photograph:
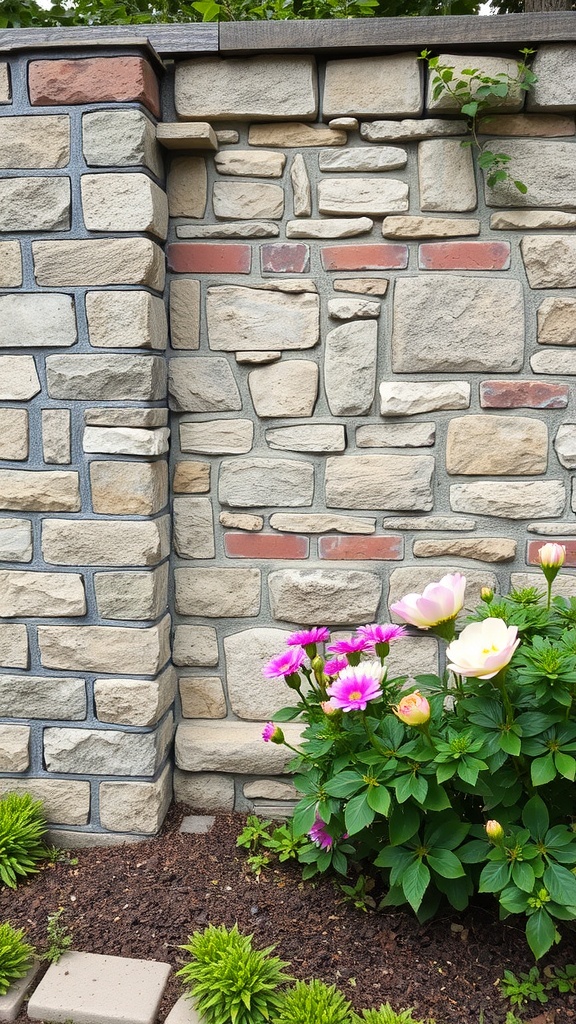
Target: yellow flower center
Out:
[490,650]
[354,695]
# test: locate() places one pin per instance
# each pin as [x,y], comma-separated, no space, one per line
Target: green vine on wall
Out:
[475,92]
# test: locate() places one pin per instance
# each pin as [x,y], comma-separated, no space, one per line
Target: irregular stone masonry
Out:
[368,369]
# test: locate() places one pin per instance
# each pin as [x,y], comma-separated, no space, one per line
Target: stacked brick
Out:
[372,353]
[86,687]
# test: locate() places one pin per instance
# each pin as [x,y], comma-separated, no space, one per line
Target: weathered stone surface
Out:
[318,437]
[202,385]
[550,260]
[446,176]
[205,791]
[496,445]
[286,388]
[565,445]
[380,482]
[229,229]
[135,806]
[128,417]
[38,491]
[555,66]
[251,696]
[429,227]
[15,540]
[248,483]
[41,594]
[126,319]
[195,645]
[187,186]
[197,135]
[341,227]
[324,595]
[530,220]
[268,789]
[216,437]
[241,521]
[246,89]
[134,701]
[18,378]
[132,595]
[302,194]
[396,435]
[125,440]
[105,649]
[202,697]
[375,196]
[225,136]
[29,319]
[99,261]
[42,697]
[106,377]
[292,287]
[105,542]
[482,549]
[350,368]
[10,262]
[509,500]
[120,138]
[294,135]
[56,439]
[548,529]
[128,488]
[34,204]
[410,130]
[13,645]
[247,200]
[492,66]
[536,125]
[548,169]
[257,358]
[349,124]
[185,313]
[563,585]
[361,158]
[256,319]
[386,86]
[124,202]
[557,362]
[14,748]
[350,309]
[5,93]
[557,322]
[231,746]
[193,527]
[409,399]
[63,802]
[414,578]
[14,434]
[191,478]
[302,522]
[251,163]
[361,285]
[522,394]
[449,323]
[105,751]
[34,142]
[214,592]
[428,523]
[122,79]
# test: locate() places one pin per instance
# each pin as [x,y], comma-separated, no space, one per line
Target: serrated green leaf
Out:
[445,863]
[403,824]
[415,881]
[358,814]
[540,933]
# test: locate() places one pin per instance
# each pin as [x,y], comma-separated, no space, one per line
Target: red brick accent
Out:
[535,545]
[385,548]
[265,545]
[208,258]
[464,256]
[380,256]
[93,80]
[522,394]
[284,258]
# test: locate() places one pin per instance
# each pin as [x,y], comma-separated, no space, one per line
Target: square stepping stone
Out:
[183,1012]
[196,824]
[11,1003]
[89,988]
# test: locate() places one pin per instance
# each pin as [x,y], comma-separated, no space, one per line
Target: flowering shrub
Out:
[449,785]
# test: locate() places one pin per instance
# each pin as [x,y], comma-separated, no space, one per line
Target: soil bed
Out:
[145,899]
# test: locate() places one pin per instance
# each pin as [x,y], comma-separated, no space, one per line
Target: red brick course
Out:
[284,258]
[385,548]
[535,545]
[208,258]
[93,80]
[265,545]
[379,256]
[464,256]
[522,394]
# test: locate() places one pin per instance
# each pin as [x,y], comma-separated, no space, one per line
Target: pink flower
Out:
[319,834]
[356,685]
[413,709]
[305,637]
[439,602]
[381,634]
[335,665]
[552,556]
[482,649]
[328,707]
[271,733]
[353,645]
[285,664]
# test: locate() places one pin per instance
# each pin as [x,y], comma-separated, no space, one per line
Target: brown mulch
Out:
[144,900]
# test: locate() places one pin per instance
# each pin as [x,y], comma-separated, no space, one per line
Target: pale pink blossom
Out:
[552,556]
[439,602]
[412,709]
[356,685]
[482,649]
[285,664]
[306,637]
[328,707]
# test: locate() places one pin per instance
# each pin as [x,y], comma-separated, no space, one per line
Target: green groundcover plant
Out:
[22,831]
[16,956]
[447,785]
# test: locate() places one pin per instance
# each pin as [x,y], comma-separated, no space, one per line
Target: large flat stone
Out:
[126,319]
[193,527]
[247,200]
[187,186]
[251,695]
[339,227]
[64,801]
[34,204]
[287,388]
[105,542]
[39,491]
[481,549]
[446,176]
[106,377]
[429,227]
[380,482]
[514,500]
[195,645]
[205,791]
[126,441]
[361,158]
[202,384]
[120,138]
[554,361]
[202,697]
[350,368]
[136,807]
[336,596]
[256,319]
[555,67]
[246,89]
[227,746]
[496,445]
[308,522]
[32,320]
[128,488]
[372,196]
[48,697]
[251,163]
[382,86]
[396,435]
[42,594]
[105,648]
[214,593]
[294,135]
[318,437]
[409,399]
[19,379]
[124,202]
[34,142]
[134,701]
[132,595]
[557,322]
[550,260]
[249,483]
[216,437]
[411,129]
[548,169]
[99,261]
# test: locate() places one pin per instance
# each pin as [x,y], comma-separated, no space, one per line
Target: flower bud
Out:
[317,664]
[413,709]
[327,707]
[272,733]
[551,556]
[494,831]
[486,595]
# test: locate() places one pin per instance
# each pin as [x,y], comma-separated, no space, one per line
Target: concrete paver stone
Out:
[183,1012]
[89,988]
[196,824]
[11,1003]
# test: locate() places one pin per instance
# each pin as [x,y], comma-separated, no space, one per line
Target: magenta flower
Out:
[285,664]
[381,634]
[353,645]
[271,733]
[335,665]
[305,637]
[319,834]
[356,685]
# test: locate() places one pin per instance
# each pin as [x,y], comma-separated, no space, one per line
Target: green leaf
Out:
[540,932]
[474,852]
[495,876]
[286,714]
[379,799]
[403,824]
[446,771]
[565,765]
[470,109]
[344,784]
[561,884]
[304,816]
[514,900]
[415,881]
[523,876]
[543,770]
[418,787]
[521,187]
[510,743]
[445,863]
[358,814]
[535,817]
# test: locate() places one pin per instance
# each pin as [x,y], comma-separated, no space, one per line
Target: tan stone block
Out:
[195,645]
[350,358]
[123,319]
[446,176]
[126,441]
[531,125]
[531,220]
[136,806]
[202,384]
[198,135]
[204,791]
[408,399]
[429,227]
[36,491]
[428,523]
[371,196]
[56,439]
[35,142]
[396,435]
[202,697]
[14,752]
[34,204]
[287,388]
[132,595]
[110,542]
[193,527]
[343,597]
[18,378]
[16,540]
[361,285]
[63,802]
[191,477]
[318,437]
[42,594]
[106,751]
[548,529]
[482,549]
[105,648]
[496,445]
[509,500]
[411,129]
[550,260]
[135,701]
[247,200]
[565,445]
[229,229]
[248,483]
[246,88]
[129,417]
[187,186]
[216,437]
[124,202]
[493,66]
[251,163]
[241,521]
[269,789]
[301,189]
[386,86]
[227,746]
[13,645]
[106,377]
[185,313]
[252,696]
[257,358]
[255,319]
[5,93]
[557,322]
[10,261]
[305,522]
[563,585]
[99,261]
[329,227]
[129,488]
[120,138]
[29,319]
[380,482]
[214,592]
[555,66]
[294,135]
[547,168]
[554,361]
[13,434]
[362,158]
[26,696]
